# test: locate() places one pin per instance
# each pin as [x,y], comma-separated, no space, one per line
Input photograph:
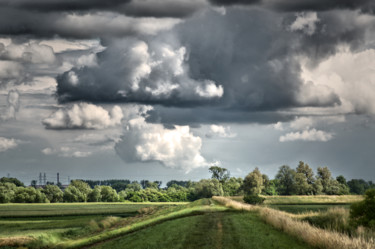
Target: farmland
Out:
[206,223]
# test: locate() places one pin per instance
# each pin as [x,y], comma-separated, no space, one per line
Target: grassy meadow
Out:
[206,223]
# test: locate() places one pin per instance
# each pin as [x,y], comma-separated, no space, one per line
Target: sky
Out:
[164,89]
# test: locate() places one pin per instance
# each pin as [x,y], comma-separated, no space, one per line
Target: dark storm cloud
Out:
[319,5]
[142,8]
[234,2]
[63,5]
[252,54]
[18,22]
[304,5]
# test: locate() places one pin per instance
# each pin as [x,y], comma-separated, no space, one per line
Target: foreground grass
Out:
[196,208]
[70,209]
[313,236]
[229,229]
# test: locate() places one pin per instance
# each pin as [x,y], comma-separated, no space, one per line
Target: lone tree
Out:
[253,183]
[221,174]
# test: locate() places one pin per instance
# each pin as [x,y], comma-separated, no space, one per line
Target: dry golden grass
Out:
[15,241]
[313,236]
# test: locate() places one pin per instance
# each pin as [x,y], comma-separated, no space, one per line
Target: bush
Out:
[253,199]
[363,213]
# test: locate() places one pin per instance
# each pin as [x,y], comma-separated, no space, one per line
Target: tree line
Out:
[288,181]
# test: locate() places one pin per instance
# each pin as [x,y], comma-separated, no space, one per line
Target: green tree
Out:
[83,188]
[324,174]
[305,169]
[73,194]
[286,179]
[95,195]
[253,183]
[53,193]
[13,180]
[219,173]
[233,186]
[207,188]
[302,187]
[363,212]
[7,192]
[29,195]
[108,194]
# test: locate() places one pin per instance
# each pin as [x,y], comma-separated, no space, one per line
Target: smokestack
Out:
[58,178]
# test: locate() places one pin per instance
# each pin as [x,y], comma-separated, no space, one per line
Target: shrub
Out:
[253,199]
[363,213]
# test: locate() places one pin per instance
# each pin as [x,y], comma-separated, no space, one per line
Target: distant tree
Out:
[341,179]
[29,195]
[82,187]
[253,183]
[270,186]
[233,186]
[53,193]
[302,187]
[33,183]
[358,186]
[180,183]
[7,192]
[304,168]
[318,187]
[324,174]
[135,186]
[95,195]
[73,194]
[144,183]
[207,188]
[13,180]
[108,194]
[219,173]
[286,179]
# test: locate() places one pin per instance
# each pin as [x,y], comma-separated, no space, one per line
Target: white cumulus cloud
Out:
[7,144]
[174,148]
[220,131]
[307,135]
[84,116]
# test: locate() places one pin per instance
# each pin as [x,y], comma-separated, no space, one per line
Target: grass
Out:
[79,209]
[307,199]
[316,237]
[228,229]
[297,209]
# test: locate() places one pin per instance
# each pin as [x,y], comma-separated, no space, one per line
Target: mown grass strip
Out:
[139,225]
[313,236]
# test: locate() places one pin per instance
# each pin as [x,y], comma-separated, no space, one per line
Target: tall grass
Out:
[316,237]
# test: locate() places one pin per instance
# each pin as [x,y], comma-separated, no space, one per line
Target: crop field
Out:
[206,223]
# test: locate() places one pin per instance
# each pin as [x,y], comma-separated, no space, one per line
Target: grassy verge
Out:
[64,209]
[151,220]
[316,237]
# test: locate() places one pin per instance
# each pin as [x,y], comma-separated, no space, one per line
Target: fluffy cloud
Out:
[27,52]
[351,76]
[7,144]
[174,148]
[305,22]
[136,71]
[307,135]
[84,116]
[220,131]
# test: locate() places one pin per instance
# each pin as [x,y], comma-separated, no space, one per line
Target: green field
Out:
[211,230]
[201,224]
